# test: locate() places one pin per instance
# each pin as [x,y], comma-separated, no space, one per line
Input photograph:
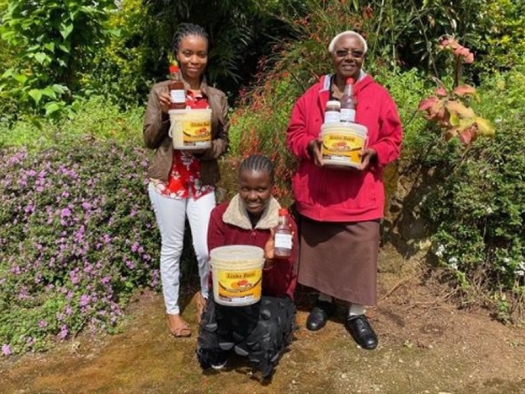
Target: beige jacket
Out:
[155,132]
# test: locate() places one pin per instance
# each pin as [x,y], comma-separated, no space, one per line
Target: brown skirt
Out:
[340,259]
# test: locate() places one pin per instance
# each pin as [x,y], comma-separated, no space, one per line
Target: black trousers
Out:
[259,332]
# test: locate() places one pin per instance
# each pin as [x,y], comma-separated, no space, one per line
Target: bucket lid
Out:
[177,111]
[237,253]
[344,127]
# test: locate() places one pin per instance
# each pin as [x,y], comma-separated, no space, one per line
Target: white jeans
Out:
[171,215]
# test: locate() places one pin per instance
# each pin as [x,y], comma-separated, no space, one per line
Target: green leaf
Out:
[52,108]
[66,30]
[64,48]
[59,88]
[8,73]
[50,47]
[115,32]
[49,92]
[41,57]
[20,78]
[36,94]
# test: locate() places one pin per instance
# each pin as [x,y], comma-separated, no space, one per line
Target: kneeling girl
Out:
[261,331]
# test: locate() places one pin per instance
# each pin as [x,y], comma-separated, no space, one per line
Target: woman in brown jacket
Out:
[182,183]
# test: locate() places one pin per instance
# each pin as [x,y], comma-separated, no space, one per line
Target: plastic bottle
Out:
[176,88]
[332,113]
[347,102]
[283,235]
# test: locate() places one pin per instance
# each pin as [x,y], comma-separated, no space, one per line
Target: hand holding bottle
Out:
[164,102]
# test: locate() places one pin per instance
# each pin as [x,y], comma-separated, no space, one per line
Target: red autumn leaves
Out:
[449,109]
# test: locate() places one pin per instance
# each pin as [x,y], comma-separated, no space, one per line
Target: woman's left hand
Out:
[367,156]
[269,248]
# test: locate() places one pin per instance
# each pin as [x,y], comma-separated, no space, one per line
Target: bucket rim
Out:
[345,128]
[256,251]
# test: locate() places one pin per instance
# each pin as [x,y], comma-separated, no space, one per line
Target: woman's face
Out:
[255,189]
[192,56]
[348,57]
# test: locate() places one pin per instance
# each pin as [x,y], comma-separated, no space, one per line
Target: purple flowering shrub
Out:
[77,236]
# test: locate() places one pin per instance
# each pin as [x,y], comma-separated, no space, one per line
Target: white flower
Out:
[453,262]
[440,250]
[489,210]
[520,271]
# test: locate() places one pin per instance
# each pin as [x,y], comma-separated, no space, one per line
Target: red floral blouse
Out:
[184,178]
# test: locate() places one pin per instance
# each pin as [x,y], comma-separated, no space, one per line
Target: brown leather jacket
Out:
[155,131]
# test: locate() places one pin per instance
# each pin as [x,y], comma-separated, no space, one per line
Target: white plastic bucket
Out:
[237,274]
[190,129]
[342,144]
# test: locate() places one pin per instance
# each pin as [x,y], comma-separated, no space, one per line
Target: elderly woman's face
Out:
[348,57]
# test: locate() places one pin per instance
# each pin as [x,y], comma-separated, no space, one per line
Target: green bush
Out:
[478,211]
[96,118]
[54,42]
[502,95]
[125,68]
[506,36]
[407,88]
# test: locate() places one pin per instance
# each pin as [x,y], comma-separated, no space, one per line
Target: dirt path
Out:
[426,346]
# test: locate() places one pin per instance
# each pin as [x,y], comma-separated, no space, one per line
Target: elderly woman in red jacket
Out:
[341,209]
[261,331]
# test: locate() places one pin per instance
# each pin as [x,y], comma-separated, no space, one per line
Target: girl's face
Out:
[255,189]
[192,56]
[348,57]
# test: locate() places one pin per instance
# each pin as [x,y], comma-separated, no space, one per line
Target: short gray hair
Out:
[348,33]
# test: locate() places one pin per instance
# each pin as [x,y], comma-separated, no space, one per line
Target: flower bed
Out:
[77,236]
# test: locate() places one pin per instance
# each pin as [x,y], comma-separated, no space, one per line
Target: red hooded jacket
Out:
[333,195]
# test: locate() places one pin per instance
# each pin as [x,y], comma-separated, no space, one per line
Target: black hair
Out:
[258,163]
[188,29]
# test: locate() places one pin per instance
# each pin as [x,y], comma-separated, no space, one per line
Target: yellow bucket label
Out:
[196,131]
[237,285]
[342,147]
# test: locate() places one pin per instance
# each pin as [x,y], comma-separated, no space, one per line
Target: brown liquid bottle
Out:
[347,102]
[176,88]
[283,235]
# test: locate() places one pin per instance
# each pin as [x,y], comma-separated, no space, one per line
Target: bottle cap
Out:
[283,212]
[350,81]
[334,103]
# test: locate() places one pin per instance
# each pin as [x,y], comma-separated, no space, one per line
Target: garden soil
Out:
[427,345]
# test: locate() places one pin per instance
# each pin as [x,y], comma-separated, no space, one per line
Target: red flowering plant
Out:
[449,107]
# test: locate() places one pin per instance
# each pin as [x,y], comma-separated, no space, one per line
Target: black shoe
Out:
[319,315]
[361,331]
